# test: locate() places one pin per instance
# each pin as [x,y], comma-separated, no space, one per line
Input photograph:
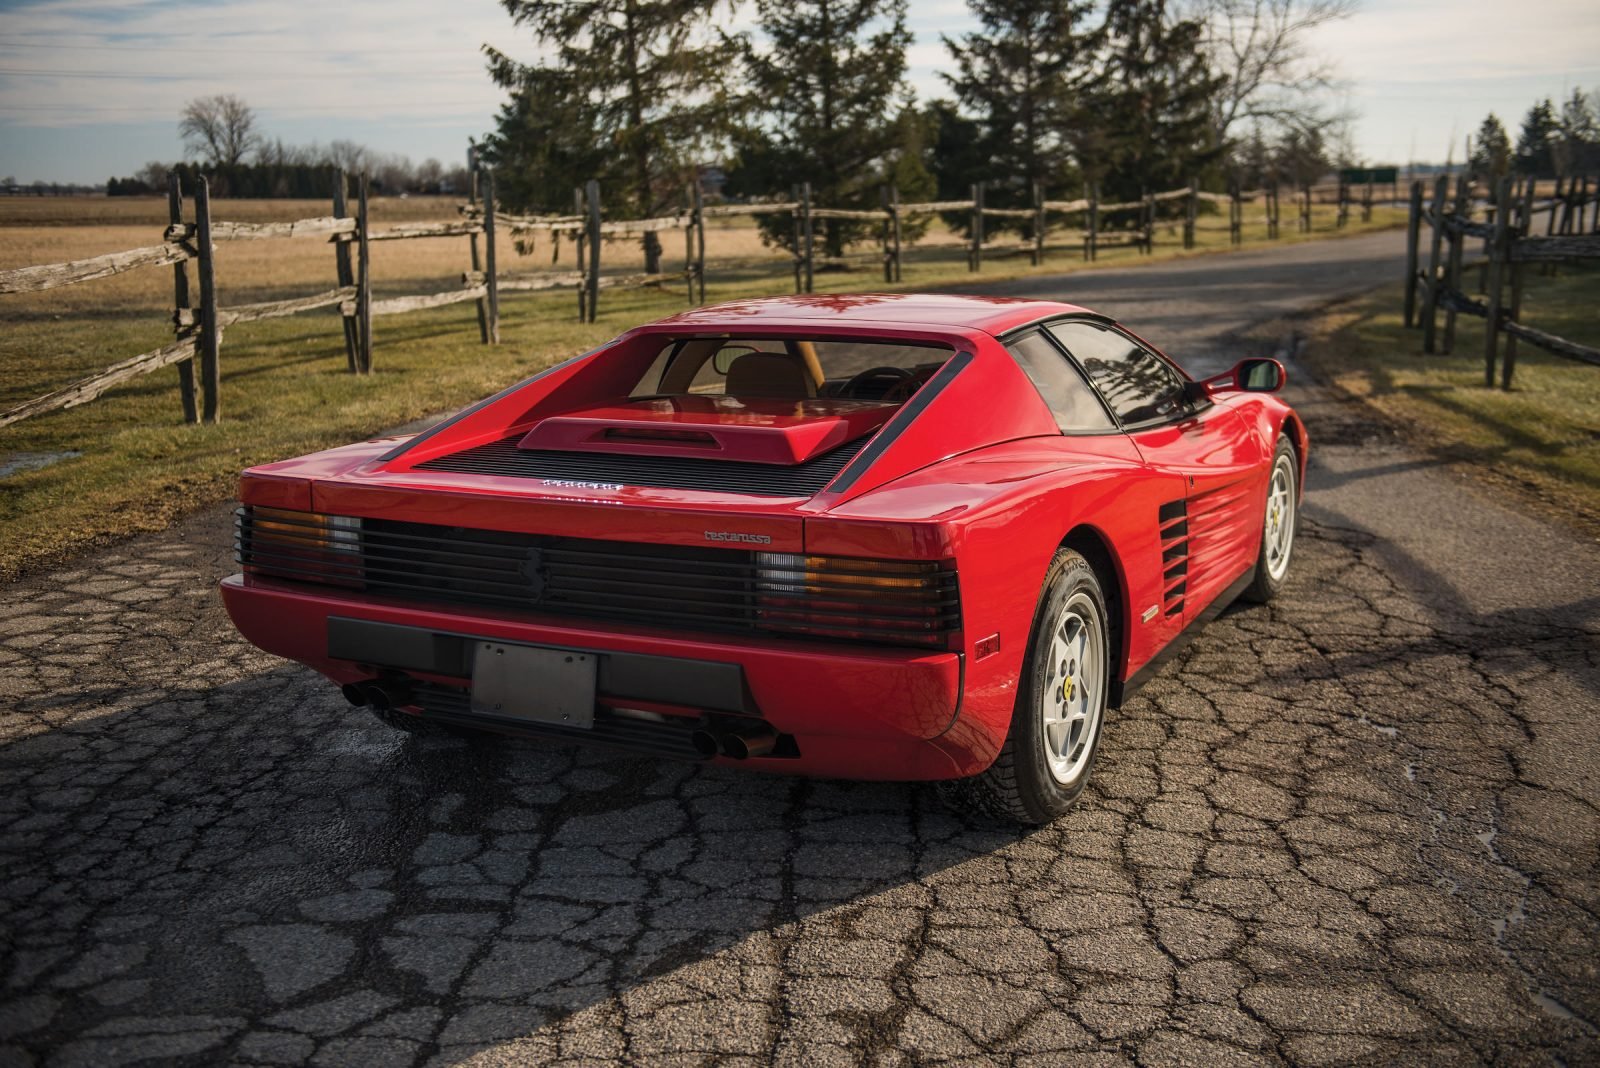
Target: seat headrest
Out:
[769,374]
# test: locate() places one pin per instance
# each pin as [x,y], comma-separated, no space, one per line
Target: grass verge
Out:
[1540,441]
[126,463]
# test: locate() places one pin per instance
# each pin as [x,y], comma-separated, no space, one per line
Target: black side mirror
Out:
[1259,376]
[1248,376]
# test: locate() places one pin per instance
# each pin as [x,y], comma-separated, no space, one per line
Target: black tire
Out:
[1264,584]
[1020,786]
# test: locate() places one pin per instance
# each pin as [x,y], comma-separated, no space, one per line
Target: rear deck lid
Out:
[711,427]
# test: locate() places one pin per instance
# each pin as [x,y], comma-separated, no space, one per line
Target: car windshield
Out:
[791,368]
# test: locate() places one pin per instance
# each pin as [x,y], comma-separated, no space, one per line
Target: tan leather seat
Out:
[769,374]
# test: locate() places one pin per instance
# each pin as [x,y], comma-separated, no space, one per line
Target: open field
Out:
[1542,438]
[133,465]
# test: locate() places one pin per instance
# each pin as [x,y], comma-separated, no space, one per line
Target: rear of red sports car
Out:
[759,532]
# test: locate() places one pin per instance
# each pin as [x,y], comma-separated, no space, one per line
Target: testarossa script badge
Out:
[734,535]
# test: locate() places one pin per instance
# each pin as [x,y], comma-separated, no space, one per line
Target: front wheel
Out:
[1279,527]
[1061,705]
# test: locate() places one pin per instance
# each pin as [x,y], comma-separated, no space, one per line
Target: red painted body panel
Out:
[980,477]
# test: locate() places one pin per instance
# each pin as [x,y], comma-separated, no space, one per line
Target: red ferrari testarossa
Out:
[869,536]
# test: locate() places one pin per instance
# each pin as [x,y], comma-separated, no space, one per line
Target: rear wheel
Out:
[1060,709]
[1280,526]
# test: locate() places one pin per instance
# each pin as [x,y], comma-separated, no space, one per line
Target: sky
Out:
[93,88]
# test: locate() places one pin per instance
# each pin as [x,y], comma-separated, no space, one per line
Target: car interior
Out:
[791,369]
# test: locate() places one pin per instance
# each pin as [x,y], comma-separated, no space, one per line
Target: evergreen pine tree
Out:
[1022,76]
[1578,143]
[1534,142]
[1155,105]
[1491,151]
[827,91]
[639,78]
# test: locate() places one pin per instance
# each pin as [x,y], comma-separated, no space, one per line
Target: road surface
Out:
[1357,825]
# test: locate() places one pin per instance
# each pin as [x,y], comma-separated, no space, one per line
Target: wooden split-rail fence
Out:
[1136,228]
[199,318]
[1510,240]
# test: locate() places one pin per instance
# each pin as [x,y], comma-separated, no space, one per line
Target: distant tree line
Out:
[1552,143]
[1127,95]
[223,137]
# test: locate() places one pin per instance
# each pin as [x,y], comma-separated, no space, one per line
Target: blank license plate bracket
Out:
[534,684]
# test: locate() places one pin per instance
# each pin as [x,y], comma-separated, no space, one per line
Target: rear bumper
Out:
[853,712]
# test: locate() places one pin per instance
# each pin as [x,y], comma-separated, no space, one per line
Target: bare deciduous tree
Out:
[221,128]
[1276,82]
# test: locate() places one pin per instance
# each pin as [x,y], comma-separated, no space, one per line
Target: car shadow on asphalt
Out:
[259,852]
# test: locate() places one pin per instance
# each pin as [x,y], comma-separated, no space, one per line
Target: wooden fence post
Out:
[1235,216]
[1508,363]
[1550,216]
[346,274]
[1272,212]
[489,304]
[209,342]
[1148,215]
[1189,214]
[1038,223]
[899,252]
[472,239]
[1305,208]
[1343,215]
[1497,258]
[180,301]
[1452,272]
[591,192]
[697,286]
[884,234]
[1091,243]
[1430,314]
[581,253]
[799,240]
[1366,201]
[809,233]
[1413,230]
[975,256]
[364,276]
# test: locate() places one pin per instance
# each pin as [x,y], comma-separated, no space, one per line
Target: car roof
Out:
[992,315]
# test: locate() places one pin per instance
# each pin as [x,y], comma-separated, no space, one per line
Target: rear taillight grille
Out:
[908,603]
[503,457]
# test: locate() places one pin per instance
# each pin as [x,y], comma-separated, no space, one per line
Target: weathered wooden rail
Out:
[1099,225]
[1509,243]
[199,324]
[1088,225]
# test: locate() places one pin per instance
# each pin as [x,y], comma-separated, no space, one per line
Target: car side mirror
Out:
[1256,375]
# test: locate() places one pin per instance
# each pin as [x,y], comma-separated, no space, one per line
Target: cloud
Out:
[97,61]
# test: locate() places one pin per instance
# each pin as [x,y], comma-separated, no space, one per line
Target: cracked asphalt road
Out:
[1357,825]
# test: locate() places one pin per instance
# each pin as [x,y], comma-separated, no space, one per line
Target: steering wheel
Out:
[895,376]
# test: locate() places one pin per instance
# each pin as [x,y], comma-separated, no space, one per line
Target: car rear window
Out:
[791,368]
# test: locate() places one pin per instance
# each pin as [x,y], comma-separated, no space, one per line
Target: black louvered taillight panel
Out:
[913,603]
[503,457]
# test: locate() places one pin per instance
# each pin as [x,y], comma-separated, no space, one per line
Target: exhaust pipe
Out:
[705,743]
[355,693]
[386,694]
[755,740]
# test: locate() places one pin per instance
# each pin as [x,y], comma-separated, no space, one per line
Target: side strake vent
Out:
[665,472]
[1173,521]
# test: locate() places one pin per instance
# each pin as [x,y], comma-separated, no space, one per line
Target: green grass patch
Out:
[286,391]
[1542,438]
